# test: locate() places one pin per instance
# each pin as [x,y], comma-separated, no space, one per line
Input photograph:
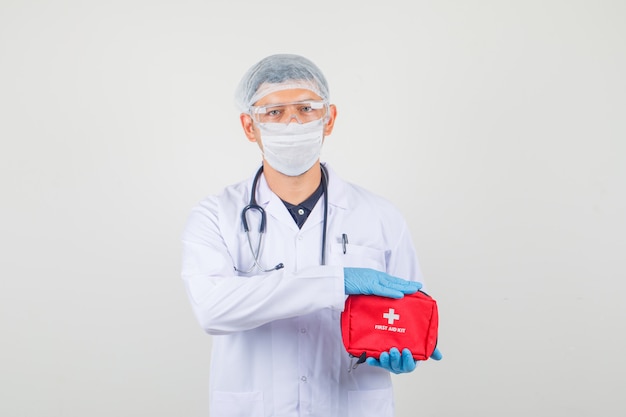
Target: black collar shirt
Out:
[300,212]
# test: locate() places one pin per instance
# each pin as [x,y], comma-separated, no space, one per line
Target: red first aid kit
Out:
[371,325]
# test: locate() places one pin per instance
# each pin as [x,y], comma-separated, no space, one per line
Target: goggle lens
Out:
[302,111]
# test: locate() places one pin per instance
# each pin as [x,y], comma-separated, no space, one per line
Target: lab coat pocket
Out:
[358,256]
[237,404]
[370,403]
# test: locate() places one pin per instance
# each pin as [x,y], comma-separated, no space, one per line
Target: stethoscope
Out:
[256,253]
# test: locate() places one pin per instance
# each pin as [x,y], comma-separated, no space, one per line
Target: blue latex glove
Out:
[371,282]
[436,355]
[399,364]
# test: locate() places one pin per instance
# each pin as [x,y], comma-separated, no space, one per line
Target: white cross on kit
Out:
[391,316]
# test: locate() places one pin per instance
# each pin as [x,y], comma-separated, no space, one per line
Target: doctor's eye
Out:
[273,112]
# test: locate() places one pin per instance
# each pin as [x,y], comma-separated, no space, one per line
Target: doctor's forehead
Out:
[288,96]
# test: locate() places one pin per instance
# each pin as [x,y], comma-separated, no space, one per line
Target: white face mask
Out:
[292,148]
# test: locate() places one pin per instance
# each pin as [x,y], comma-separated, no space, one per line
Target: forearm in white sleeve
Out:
[225,303]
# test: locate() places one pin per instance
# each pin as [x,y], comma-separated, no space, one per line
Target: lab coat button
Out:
[300,237]
[302,330]
[303,379]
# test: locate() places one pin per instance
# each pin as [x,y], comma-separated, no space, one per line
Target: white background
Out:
[497,127]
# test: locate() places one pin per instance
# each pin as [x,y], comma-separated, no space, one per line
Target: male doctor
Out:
[268,262]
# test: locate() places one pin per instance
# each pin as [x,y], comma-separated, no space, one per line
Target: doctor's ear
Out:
[248,127]
[332,115]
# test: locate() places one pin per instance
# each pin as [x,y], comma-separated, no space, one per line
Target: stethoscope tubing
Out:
[252,205]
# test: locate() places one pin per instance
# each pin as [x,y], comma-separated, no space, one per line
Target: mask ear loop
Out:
[326,116]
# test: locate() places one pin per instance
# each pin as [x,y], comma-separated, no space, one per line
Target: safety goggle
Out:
[302,111]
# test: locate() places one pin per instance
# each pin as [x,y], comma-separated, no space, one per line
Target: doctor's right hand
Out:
[371,282]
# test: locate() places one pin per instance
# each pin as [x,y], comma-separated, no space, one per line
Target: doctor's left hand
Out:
[399,363]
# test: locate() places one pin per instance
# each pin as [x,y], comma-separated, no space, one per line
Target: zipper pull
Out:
[358,362]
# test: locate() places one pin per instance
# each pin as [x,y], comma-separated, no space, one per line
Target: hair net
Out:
[279,72]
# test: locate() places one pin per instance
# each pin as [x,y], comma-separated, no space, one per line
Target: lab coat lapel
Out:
[337,190]
[316,216]
[337,201]
[274,207]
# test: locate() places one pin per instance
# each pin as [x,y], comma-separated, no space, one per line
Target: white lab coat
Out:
[277,349]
